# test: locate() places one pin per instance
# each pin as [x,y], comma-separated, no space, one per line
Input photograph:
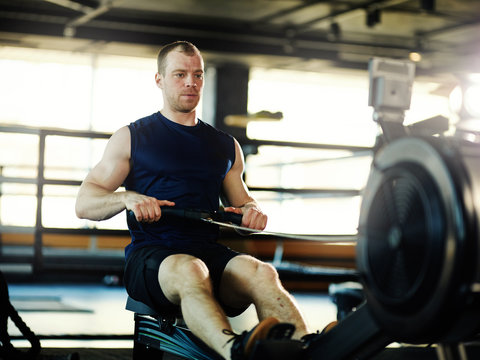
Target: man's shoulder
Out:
[144,121]
[213,130]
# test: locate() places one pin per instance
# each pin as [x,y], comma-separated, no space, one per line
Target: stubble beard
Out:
[184,106]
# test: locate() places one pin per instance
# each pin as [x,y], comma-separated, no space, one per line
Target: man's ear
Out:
[159,80]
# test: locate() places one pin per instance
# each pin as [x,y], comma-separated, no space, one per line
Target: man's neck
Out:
[187,119]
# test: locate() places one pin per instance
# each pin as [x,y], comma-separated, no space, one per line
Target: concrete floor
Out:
[55,310]
[98,311]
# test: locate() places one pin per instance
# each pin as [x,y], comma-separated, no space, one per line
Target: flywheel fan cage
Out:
[406,238]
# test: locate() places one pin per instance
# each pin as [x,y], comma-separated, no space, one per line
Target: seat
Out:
[163,334]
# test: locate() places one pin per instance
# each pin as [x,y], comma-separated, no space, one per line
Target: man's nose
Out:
[191,82]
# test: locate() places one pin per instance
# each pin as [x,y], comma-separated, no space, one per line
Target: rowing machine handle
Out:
[226,216]
[222,216]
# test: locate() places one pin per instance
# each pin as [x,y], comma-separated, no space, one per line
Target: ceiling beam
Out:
[366,5]
[72,5]
[288,11]
[448,28]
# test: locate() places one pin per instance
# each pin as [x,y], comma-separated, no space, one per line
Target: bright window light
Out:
[472,100]
[456,99]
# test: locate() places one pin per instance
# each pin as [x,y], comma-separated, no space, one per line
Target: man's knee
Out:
[185,267]
[250,270]
[181,273]
[266,273]
[255,273]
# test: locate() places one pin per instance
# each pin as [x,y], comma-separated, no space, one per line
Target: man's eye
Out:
[179,75]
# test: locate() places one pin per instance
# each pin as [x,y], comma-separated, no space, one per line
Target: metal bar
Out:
[278,255]
[307,237]
[17,180]
[72,5]
[62,182]
[318,160]
[58,132]
[90,14]
[37,246]
[257,142]
[336,192]
[85,231]
[17,229]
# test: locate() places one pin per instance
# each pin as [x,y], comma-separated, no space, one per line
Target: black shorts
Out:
[141,273]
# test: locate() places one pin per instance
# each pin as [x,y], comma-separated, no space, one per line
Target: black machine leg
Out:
[144,352]
[356,337]
[278,350]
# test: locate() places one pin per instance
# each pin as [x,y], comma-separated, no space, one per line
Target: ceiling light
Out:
[415,56]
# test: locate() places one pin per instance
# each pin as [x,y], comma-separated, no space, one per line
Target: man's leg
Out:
[185,281]
[247,280]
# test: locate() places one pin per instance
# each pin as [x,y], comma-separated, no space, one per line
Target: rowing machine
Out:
[164,335]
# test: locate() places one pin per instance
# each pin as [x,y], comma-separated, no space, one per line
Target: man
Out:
[171,158]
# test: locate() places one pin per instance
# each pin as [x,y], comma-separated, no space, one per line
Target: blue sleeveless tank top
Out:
[184,164]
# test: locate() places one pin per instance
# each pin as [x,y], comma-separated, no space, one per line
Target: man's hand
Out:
[146,208]
[253,217]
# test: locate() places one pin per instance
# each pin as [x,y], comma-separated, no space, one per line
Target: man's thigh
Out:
[141,276]
[237,281]
[142,272]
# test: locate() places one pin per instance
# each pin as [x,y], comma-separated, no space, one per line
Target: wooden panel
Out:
[66,241]
[301,251]
[17,239]
[112,242]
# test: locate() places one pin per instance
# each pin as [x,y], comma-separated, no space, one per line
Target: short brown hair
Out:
[183,46]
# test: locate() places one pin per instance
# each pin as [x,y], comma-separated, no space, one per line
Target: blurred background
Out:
[287,78]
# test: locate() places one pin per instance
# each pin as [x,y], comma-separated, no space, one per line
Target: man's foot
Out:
[269,328]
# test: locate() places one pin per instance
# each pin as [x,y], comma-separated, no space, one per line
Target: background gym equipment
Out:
[7,350]
[418,245]
[418,248]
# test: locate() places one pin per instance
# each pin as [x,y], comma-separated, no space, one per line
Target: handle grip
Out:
[226,216]
[222,216]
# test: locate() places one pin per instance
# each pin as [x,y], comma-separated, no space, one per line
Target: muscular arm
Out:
[239,197]
[98,198]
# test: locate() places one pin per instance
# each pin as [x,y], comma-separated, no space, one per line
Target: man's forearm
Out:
[251,203]
[96,203]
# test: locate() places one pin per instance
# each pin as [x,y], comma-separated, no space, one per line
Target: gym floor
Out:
[92,320]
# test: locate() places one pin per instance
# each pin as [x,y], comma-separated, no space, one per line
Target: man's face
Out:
[182,82]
